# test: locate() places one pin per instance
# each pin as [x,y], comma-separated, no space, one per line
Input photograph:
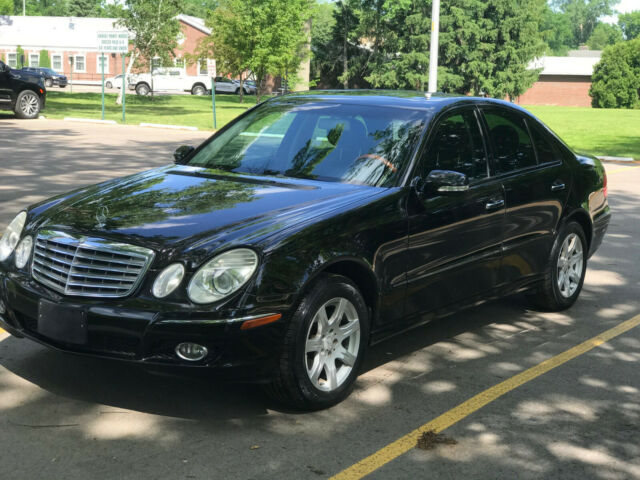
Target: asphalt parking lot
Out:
[576,417]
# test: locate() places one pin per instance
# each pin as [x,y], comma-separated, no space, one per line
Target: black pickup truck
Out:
[22,92]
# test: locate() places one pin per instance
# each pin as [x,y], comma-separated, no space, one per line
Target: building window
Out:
[99,60]
[79,64]
[56,62]
[12,60]
[34,60]
[202,67]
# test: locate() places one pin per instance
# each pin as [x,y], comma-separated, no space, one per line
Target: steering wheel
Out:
[380,158]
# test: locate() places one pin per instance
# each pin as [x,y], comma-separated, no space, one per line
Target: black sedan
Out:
[51,77]
[303,231]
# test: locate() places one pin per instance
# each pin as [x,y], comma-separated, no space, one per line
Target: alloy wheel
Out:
[29,104]
[570,265]
[332,344]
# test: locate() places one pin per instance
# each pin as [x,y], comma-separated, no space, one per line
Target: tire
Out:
[238,91]
[108,85]
[303,379]
[198,90]
[143,89]
[48,82]
[565,271]
[28,105]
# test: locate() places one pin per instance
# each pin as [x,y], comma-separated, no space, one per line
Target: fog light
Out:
[191,352]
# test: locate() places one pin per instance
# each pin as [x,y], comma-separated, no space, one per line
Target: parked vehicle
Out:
[168,80]
[51,77]
[116,82]
[228,85]
[303,231]
[22,92]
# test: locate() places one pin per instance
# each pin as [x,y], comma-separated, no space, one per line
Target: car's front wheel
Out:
[198,90]
[324,346]
[27,104]
[565,272]
[48,82]
[108,85]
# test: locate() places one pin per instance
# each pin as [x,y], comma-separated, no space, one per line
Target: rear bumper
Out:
[600,226]
[131,331]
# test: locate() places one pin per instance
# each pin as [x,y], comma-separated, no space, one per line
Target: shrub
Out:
[21,57]
[44,59]
[616,77]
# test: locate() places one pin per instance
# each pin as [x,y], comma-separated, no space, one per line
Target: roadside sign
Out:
[211,68]
[114,41]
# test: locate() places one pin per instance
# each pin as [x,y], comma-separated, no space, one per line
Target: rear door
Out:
[536,184]
[454,237]
[6,93]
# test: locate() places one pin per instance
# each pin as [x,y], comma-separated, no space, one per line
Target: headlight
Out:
[23,252]
[12,235]
[168,280]
[223,275]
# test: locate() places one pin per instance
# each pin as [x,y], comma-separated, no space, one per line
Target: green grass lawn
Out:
[594,130]
[165,109]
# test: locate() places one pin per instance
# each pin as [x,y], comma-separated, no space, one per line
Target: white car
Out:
[227,85]
[168,80]
[116,82]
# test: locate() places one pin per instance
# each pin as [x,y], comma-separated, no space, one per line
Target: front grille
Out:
[88,267]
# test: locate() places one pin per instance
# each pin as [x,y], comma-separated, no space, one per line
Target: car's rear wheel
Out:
[142,89]
[198,90]
[565,272]
[27,105]
[48,82]
[108,85]
[324,346]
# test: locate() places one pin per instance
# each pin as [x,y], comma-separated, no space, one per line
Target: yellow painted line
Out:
[623,169]
[408,442]
[2,331]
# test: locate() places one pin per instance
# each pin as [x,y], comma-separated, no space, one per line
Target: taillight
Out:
[604,185]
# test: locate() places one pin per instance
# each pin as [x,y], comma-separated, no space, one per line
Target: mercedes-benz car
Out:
[51,77]
[305,230]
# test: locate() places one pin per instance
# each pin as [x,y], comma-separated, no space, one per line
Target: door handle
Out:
[557,186]
[494,205]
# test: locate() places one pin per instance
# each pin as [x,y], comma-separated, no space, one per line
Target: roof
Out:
[195,22]
[394,98]
[68,33]
[574,66]
[584,53]
[65,33]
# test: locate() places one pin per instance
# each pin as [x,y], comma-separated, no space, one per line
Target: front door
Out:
[454,237]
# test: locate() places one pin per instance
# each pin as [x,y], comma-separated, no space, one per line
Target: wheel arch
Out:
[584,220]
[198,84]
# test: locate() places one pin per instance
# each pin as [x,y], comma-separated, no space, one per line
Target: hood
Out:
[182,206]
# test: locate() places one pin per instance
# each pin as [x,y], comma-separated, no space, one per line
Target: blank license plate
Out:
[62,323]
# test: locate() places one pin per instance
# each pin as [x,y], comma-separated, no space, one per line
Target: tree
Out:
[44,59]
[630,24]
[557,32]
[83,8]
[584,15]
[616,77]
[604,34]
[155,31]
[6,7]
[322,58]
[198,8]
[262,36]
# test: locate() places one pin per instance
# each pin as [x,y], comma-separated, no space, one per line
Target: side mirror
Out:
[444,181]
[181,153]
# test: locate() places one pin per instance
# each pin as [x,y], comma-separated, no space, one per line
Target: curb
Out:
[171,127]
[606,158]
[90,120]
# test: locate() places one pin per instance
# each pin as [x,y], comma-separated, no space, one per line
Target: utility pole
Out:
[24,8]
[433,52]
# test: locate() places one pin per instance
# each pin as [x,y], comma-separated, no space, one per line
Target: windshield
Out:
[316,139]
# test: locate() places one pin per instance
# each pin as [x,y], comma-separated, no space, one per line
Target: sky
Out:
[624,6]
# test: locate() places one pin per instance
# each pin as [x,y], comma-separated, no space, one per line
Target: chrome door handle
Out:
[556,187]
[494,204]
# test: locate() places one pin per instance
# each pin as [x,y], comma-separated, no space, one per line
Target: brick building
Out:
[563,80]
[65,37]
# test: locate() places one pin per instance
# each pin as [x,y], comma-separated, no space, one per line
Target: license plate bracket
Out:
[62,323]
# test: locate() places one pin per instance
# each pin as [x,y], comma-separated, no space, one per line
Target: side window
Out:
[545,147]
[512,146]
[458,146]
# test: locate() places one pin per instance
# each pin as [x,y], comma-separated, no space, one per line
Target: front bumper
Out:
[60,82]
[138,331]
